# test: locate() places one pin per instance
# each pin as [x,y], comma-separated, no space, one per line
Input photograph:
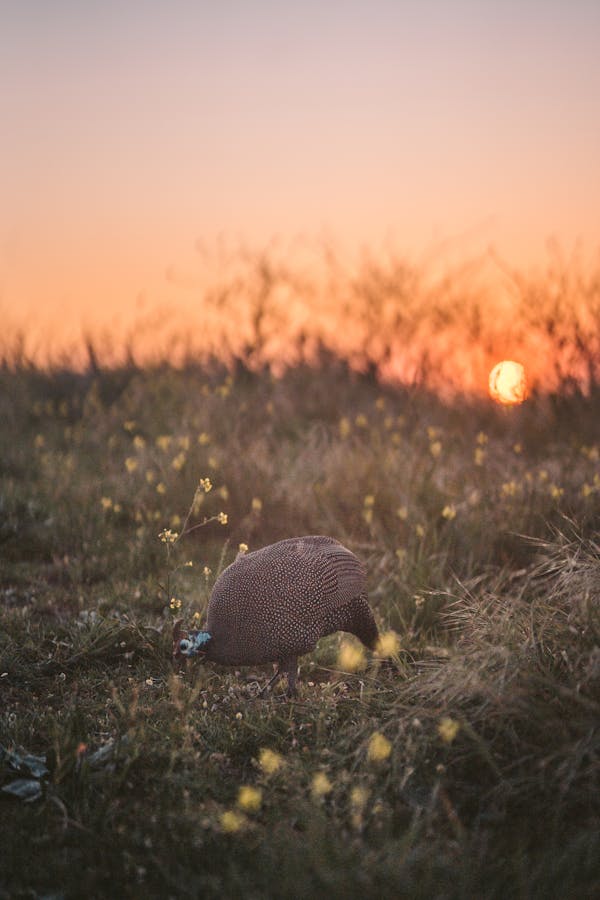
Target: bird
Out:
[272,605]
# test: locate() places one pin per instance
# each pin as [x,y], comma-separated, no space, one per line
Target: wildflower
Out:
[39,441]
[131,464]
[345,427]
[223,492]
[419,600]
[509,489]
[368,515]
[351,657]
[401,554]
[388,423]
[320,785]
[380,403]
[402,513]
[243,548]
[232,821]
[189,563]
[556,492]
[222,518]
[586,490]
[183,441]
[205,484]
[160,488]
[256,504]
[212,462]
[203,439]
[150,476]
[206,571]
[435,448]
[482,439]
[518,447]
[433,432]
[175,603]
[129,425]
[358,797]
[396,439]
[361,421]
[479,456]
[543,475]
[388,644]
[178,461]
[249,798]
[239,716]
[196,618]
[163,442]
[117,507]
[420,530]
[167,536]
[175,521]
[270,761]
[106,502]
[138,442]
[379,748]
[369,500]
[448,729]
[449,512]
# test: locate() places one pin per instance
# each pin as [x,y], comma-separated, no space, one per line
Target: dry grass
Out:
[491,784]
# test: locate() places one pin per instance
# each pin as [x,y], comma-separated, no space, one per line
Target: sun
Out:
[507,382]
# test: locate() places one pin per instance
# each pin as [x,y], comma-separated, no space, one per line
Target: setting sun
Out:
[507,382]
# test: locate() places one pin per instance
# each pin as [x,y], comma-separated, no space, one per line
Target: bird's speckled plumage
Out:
[273,605]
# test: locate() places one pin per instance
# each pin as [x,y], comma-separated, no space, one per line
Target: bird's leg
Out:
[290,667]
[273,680]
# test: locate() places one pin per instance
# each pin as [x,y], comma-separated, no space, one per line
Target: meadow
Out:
[468,767]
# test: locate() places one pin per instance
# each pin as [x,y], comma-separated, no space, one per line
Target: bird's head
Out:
[188,643]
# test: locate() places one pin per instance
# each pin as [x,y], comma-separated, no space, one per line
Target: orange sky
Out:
[134,132]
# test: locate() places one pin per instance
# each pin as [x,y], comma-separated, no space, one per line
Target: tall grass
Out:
[478,527]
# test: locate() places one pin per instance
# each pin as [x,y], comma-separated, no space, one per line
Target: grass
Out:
[479,529]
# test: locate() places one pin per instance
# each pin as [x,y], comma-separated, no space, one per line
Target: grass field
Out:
[470,768]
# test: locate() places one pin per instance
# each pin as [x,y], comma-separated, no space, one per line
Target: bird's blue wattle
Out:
[195,643]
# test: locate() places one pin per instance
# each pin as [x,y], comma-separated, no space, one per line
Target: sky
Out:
[135,133]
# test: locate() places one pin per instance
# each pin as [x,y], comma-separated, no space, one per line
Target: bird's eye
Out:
[184,645]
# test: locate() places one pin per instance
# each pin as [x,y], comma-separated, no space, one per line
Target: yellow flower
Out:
[420,530]
[222,518]
[380,403]
[117,507]
[369,500]
[203,439]
[448,729]
[138,442]
[435,448]
[196,618]
[175,521]
[402,513]
[270,761]
[150,476]
[256,504]
[586,490]
[351,657]
[518,447]
[175,603]
[556,492]
[184,442]
[361,421]
[433,432]
[509,488]
[243,548]
[178,461]
[131,464]
[320,786]
[223,492]
[482,438]
[345,427]
[479,456]
[205,484]
[232,821]
[368,515]
[379,747]
[359,797]
[39,441]
[163,442]
[106,502]
[449,512]
[388,644]
[212,462]
[249,798]
[129,426]
[160,488]
[543,475]
[388,423]
[401,554]
[206,571]
[419,600]
[167,536]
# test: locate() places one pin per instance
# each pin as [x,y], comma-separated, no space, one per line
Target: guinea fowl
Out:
[273,605]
